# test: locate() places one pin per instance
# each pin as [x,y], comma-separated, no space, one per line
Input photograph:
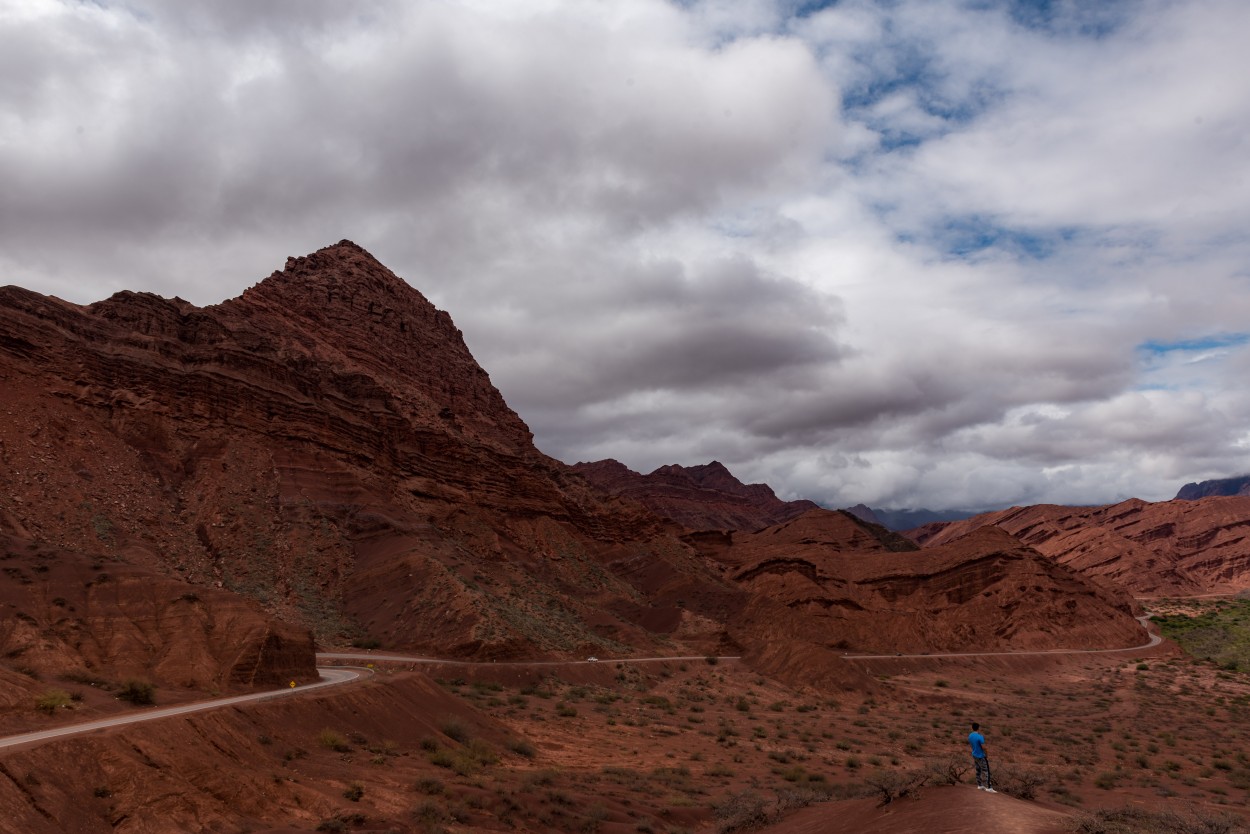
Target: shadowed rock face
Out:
[1183,547]
[73,617]
[326,446]
[703,497]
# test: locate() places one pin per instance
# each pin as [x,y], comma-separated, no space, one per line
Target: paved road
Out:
[329,677]
[1145,622]
[402,658]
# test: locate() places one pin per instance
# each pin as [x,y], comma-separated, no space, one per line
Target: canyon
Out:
[199,499]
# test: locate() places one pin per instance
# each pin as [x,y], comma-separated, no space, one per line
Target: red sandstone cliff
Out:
[1169,547]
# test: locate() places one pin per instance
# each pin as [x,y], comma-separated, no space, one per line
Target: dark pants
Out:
[982,766]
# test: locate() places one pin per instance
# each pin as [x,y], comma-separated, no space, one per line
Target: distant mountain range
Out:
[901,520]
[1222,486]
[898,520]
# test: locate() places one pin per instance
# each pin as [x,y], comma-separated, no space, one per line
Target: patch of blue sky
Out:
[1218,342]
[966,237]
[914,71]
[1187,364]
[807,8]
[1068,17]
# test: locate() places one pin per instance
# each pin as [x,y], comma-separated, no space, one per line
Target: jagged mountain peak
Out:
[343,275]
[703,497]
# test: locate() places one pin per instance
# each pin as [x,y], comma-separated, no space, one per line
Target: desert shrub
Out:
[1107,780]
[743,811]
[594,819]
[52,700]
[1141,821]
[454,729]
[429,786]
[481,752]
[949,771]
[428,812]
[522,748]
[889,785]
[332,740]
[789,799]
[1020,782]
[137,692]
[354,792]
[566,710]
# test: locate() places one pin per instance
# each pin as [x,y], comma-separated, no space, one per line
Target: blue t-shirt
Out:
[978,744]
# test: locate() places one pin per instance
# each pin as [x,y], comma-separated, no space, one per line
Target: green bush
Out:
[52,700]
[332,740]
[454,729]
[137,692]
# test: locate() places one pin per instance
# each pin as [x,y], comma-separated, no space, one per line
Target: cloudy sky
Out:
[915,253]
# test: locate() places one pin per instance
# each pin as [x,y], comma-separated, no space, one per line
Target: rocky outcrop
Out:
[1169,547]
[983,592]
[706,497]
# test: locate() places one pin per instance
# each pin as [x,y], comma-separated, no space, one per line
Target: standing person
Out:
[980,759]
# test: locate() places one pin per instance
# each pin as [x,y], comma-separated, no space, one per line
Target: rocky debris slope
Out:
[1169,547]
[706,497]
[69,617]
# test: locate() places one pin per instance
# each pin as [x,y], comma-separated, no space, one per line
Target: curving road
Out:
[336,676]
[1145,622]
[333,676]
[329,677]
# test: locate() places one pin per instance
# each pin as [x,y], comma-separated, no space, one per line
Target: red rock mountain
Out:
[1169,547]
[326,448]
[706,497]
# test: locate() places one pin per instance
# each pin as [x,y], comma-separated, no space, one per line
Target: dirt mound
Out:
[959,809]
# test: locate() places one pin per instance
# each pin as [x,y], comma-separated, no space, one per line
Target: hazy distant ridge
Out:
[1221,486]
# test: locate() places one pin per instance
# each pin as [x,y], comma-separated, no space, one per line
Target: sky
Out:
[911,253]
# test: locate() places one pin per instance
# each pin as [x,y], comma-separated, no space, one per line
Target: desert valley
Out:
[200,503]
